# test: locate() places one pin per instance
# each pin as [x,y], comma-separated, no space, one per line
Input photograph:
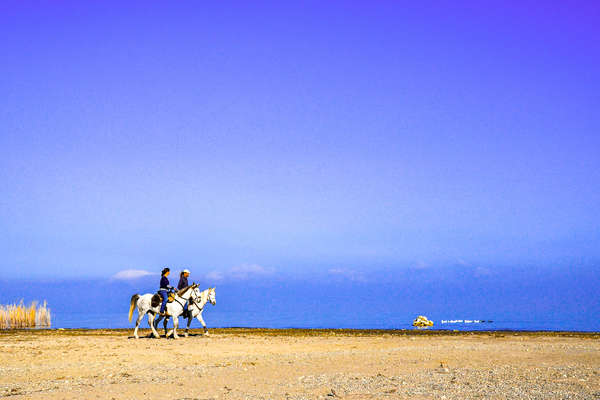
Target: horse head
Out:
[212,296]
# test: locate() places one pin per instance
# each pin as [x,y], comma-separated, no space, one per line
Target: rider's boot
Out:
[162,312]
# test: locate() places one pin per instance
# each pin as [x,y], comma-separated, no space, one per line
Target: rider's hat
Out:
[186,271]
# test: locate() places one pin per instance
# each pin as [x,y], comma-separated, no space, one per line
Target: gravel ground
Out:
[297,364]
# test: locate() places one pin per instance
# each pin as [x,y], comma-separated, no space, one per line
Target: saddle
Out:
[157,299]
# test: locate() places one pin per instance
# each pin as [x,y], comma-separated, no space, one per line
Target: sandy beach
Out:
[299,364]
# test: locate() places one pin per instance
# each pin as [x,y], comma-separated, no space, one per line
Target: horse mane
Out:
[182,291]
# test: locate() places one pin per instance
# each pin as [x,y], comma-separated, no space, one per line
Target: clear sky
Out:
[297,136]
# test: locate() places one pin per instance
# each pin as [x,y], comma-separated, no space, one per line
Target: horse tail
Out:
[134,300]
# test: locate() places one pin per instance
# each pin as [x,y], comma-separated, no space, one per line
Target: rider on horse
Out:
[183,282]
[164,289]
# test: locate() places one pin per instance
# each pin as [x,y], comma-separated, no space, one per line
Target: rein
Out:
[193,301]
[178,302]
[183,305]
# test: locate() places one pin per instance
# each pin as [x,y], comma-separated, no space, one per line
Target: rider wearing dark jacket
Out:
[164,289]
[183,281]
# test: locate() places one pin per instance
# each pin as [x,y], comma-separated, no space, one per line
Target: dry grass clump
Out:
[18,316]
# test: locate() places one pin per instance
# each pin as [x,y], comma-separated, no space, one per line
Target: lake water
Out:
[515,301]
[216,319]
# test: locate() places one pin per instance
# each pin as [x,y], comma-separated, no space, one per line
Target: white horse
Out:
[146,305]
[195,309]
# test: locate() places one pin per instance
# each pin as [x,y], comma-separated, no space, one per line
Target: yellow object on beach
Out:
[421,322]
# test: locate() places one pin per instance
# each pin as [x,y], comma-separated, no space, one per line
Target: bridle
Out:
[193,301]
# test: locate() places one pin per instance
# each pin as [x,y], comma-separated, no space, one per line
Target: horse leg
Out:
[167,334]
[137,325]
[199,317]
[151,318]
[187,328]
[175,325]
[150,323]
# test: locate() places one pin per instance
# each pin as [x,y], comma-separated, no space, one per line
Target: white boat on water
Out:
[463,321]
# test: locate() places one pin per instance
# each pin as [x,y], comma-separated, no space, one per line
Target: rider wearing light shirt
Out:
[183,281]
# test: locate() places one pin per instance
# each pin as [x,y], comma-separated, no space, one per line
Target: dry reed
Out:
[18,316]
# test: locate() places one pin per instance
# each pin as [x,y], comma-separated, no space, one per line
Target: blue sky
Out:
[297,138]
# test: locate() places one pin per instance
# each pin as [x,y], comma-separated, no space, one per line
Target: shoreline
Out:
[312,332]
